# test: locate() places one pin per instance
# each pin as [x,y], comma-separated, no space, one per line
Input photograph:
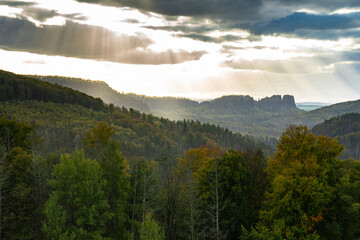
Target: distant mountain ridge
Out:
[228,103]
[97,89]
[236,112]
[267,117]
[146,104]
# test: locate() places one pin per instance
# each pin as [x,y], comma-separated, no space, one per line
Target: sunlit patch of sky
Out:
[232,59]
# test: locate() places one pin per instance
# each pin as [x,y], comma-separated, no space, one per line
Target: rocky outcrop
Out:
[276,103]
[288,101]
[239,103]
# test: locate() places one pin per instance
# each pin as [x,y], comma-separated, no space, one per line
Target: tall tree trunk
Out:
[134,201]
[217,200]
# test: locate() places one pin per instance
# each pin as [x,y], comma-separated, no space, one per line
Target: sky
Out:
[199,49]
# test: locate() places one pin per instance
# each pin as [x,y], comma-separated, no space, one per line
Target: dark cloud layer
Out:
[221,9]
[234,10]
[42,15]
[258,16]
[17,3]
[304,24]
[206,38]
[185,29]
[327,5]
[84,41]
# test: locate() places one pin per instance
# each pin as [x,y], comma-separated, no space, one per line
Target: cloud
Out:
[130,20]
[220,9]
[205,38]
[293,66]
[234,10]
[17,3]
[322,62]
[268,17]
[41,14]
[327,5]
[34,62]
[84,41]
[186,29]
[199,32]
[310,25]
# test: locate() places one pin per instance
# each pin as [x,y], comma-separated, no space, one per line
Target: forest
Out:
[264,118]
[344,128]
[73,167]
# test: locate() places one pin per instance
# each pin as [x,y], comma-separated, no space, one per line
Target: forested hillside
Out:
[20,88]
[267,117]
[317,116]
[237,113]
[99,90]
[346,129]
[72,171]
[61,119]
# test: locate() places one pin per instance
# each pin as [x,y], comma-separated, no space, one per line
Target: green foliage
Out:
[77,207]
[186,172]
[299,190]
[169,212]
[24,88]
[64,126]
[230,190]
[209,193]
[98,89]
[346,129]
[15,134]
[17,194]
[150,230]
[144,189]
[96,139]
[17,198]
[314,117]
[342,214]
[114,170]
[338,126]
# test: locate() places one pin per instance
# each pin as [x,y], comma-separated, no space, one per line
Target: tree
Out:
[299,189]
[145,189]
[15,134]
[209,204]
[223,187]
[114,169]
[96,139]
[77,207]
[17,208]
[16,180]
[100,146]
[187,170]
[170,212]
[150,230]
[342,214]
